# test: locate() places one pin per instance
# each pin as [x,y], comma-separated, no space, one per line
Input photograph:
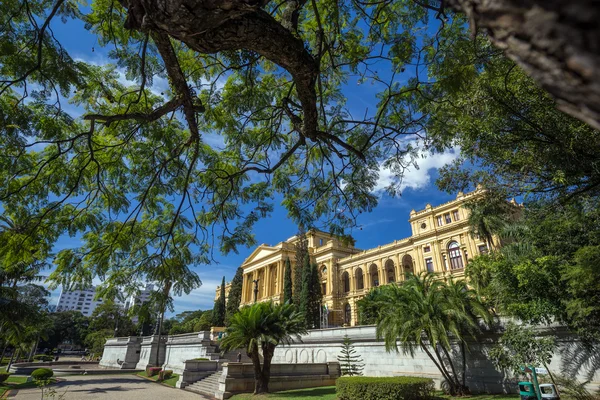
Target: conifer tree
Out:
[310,304]
[350,362]
[234,298]
[301,256]
[287,281]
[219,308]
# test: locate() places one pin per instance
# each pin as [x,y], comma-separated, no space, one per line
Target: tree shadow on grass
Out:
[317,392]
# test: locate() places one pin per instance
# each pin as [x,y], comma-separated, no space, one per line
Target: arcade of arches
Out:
[440,243]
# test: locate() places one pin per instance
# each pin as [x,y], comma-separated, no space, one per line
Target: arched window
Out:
[390,271]
[346,281]
[360,280]
[407,264]
[347,314]
[374,275]
[456,261]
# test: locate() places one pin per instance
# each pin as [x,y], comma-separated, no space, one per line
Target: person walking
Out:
[239,357]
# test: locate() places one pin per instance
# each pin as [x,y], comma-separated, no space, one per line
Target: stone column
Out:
[383,279]
[267,286]
[244,287]
[438,263]
[280,272]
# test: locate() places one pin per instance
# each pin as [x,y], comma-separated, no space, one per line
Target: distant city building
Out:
[78,300]
[83,300]
[51,308]
[140,298]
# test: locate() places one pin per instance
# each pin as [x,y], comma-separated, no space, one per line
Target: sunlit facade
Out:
[440,243]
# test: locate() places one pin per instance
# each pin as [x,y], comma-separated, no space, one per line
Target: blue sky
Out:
[388,222]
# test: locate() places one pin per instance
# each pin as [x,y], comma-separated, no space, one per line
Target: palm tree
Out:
[263,326]
[488,217]
[429,314]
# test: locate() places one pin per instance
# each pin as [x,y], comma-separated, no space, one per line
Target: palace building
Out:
[440,243]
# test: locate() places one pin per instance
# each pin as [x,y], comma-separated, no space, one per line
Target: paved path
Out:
[110,387]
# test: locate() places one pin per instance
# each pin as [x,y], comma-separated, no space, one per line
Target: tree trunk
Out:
[464,363]
[439,367]
[268,352]
[3,352]
[556,42]
[34,348]
[12,357]
[259,381]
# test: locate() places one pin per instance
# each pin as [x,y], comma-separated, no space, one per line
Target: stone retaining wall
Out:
[121,352]
[324,345]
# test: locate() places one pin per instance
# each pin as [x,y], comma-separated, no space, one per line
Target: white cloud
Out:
[419,176]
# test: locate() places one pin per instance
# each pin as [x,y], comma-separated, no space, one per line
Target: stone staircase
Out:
[207,386]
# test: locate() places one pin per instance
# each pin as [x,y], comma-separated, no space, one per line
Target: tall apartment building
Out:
[83,300]
[140,298]
[440,243]
[78,300]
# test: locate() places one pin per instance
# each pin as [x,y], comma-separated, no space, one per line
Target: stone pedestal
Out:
[121,352]
[152,351]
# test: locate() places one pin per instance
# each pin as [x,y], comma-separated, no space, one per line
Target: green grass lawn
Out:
[15,382]
[169,382]
[328,393]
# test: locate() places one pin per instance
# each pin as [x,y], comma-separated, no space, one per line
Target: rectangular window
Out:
[426,249]
[455,215]
[429,264]
[447,218]
[483,249]
[320,242]
[324,289]
[439,220]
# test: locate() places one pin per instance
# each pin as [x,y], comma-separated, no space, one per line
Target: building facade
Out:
[440,243]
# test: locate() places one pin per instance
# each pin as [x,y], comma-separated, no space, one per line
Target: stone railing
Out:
[194,370]
[239,377]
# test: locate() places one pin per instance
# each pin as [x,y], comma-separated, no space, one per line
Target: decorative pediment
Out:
[261,252]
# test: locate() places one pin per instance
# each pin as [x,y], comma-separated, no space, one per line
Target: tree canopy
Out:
[212,113]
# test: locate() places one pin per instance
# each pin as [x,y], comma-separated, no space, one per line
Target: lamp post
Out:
[255,289]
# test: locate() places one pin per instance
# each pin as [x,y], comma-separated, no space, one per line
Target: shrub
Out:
[4,376]
[153,371]
[200,359]
[42,374]
[392,388]
[43,357]
[166,374]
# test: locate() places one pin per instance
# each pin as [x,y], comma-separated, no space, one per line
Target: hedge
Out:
[4,376]
[151,371]
[392,388]
[43,357]
[41,374]
[166,374]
